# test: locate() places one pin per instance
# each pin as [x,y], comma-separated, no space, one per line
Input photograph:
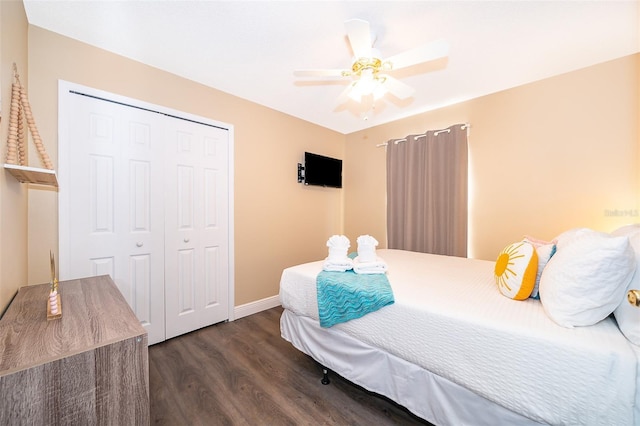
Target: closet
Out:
[145,197]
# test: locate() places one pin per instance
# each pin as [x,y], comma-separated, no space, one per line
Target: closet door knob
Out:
[139,244]
[186,239]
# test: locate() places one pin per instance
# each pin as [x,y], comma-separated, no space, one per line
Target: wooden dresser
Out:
[89,367]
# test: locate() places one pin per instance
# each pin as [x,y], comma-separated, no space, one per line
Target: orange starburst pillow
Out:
[515,270]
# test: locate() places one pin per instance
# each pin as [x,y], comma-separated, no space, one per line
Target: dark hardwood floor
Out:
[244,373]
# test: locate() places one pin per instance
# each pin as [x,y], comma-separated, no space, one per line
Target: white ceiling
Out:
[251,48]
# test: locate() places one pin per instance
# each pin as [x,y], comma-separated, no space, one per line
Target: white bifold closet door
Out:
[196,248]
[145,200]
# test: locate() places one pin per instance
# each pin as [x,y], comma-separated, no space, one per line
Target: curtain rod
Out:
[423,135]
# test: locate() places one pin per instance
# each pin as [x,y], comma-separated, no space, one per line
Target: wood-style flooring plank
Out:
[244,373]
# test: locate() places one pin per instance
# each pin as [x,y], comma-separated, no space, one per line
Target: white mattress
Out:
[449,318]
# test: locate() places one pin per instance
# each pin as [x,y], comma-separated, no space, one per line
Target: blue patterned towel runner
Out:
[343,296]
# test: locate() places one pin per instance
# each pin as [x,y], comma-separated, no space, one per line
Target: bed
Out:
[454,351]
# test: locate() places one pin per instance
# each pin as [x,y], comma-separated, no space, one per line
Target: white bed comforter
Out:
[449,318]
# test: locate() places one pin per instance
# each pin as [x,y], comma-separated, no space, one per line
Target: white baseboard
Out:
[255,307]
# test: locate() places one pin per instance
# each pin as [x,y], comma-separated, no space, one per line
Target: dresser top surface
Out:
[94,314]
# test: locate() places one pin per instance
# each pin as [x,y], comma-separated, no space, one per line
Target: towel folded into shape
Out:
[337,265]
[346,296]
[379,266]
[367,248]
[338,248]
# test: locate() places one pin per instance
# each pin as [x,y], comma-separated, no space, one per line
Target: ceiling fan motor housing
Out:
[374,64]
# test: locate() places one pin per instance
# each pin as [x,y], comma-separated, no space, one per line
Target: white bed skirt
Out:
[425,394]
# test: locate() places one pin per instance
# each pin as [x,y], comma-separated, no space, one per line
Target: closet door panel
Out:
[196,221]
[102,266]
[185,285]
[101,181]
[213,277]
[184,197]
[140,188]
[141,287]
[116,203]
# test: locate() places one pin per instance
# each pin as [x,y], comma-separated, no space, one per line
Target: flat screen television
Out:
[322,171]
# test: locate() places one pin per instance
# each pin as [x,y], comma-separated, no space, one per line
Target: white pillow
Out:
[627,316]
[626,230]
[586,279]
[567,236]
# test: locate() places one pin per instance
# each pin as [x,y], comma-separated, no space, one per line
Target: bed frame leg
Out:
[325,376]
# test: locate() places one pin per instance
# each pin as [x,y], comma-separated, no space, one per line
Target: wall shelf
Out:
[35,175]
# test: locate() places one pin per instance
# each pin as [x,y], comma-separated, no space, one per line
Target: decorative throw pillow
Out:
[515,270]
[544,249]
[586,279]
[628,316]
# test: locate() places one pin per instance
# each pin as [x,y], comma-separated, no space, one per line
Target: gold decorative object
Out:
[633,296]
[54,306]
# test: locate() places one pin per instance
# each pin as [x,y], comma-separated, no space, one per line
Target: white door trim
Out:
[65,90]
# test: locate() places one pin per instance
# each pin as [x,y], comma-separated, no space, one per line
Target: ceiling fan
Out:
[369,72]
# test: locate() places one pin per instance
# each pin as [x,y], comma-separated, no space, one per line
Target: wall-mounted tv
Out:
[322,171]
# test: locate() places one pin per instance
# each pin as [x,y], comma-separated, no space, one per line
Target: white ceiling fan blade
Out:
[319,73]
[359,37]
[428,52]
[397,88]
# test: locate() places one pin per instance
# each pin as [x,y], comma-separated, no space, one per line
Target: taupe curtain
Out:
[427,192]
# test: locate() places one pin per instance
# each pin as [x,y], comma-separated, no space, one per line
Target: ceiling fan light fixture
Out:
[379,91]
[358,90]
[367,79]
[355,94]
[369,84]
[365,85]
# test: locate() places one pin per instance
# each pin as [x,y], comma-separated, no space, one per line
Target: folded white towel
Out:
[378,266]
[367,248]
[342,265]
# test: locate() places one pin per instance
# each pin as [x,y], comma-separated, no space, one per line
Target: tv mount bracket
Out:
[300,173]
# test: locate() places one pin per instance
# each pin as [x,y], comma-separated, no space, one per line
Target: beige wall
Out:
[545,157]
[278,222]
[13,195]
